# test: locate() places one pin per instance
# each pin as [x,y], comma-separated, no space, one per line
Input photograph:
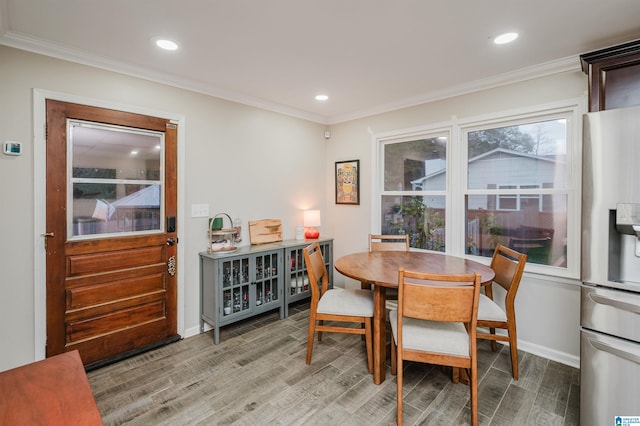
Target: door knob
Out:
[171,241]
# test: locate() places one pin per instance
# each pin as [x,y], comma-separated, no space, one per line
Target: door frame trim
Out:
[40,97]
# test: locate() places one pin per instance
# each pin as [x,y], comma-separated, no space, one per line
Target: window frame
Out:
[456,188]
[517,197]
[426,132]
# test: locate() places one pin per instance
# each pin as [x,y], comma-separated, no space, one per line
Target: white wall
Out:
[240,160]
[249,163]
[548,311]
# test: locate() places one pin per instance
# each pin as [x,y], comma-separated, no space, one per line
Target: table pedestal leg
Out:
[379,335]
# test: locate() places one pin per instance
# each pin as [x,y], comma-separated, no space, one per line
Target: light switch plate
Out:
[199,210]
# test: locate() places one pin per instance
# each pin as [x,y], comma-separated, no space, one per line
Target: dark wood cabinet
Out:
[614,76]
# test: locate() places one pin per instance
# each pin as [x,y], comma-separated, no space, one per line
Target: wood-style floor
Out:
[257,376]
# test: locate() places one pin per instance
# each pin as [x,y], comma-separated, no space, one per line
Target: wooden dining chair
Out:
[508,266]
[387,243]
[435,323]
[336,305]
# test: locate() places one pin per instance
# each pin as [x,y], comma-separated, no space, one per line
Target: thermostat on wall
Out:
[12,148]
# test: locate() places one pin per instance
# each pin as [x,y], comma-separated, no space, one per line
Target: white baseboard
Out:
[194,331]
[548,353]
[543,351]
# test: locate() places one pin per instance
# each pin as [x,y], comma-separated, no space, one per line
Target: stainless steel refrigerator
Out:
[610,294]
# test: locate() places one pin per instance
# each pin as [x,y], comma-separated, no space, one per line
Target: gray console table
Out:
[255,279]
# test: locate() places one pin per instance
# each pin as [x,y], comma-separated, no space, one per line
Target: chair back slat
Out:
[450,298]
[388,242]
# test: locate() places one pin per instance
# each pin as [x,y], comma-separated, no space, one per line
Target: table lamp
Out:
[311,219]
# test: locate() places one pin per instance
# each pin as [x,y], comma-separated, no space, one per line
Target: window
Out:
[529,150]
[414,196]
[510,179]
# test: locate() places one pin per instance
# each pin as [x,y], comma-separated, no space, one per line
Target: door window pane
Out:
[115,180]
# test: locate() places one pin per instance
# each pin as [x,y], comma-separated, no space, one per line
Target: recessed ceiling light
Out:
[321,97]
[166,44]
[505,38]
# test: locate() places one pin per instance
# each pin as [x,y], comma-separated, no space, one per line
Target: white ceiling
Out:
[369,56]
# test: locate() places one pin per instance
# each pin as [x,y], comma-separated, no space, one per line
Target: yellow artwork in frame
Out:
[348,182]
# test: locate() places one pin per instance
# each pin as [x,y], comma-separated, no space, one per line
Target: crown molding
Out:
[46,48]
[571,63]
[43,47]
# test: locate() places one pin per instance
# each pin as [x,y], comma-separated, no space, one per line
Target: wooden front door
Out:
[111,231]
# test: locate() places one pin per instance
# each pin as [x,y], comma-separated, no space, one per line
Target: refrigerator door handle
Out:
[614,350]
[619,304]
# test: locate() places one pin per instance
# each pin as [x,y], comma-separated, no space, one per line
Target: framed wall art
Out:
[348,182]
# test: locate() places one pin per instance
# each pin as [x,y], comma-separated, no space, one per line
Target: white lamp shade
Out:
[311,218]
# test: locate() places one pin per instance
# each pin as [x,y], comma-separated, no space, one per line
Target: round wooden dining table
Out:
[380,268]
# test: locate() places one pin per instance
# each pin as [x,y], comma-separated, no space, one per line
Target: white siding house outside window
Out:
[466,186]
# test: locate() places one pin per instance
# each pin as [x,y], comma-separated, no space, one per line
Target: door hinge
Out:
[171,126]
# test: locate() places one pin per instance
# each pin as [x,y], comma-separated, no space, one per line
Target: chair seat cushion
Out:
[489,310]
[431,336]
[340,301]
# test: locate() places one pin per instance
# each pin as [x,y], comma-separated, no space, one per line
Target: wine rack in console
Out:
[297,279]
[238,286]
